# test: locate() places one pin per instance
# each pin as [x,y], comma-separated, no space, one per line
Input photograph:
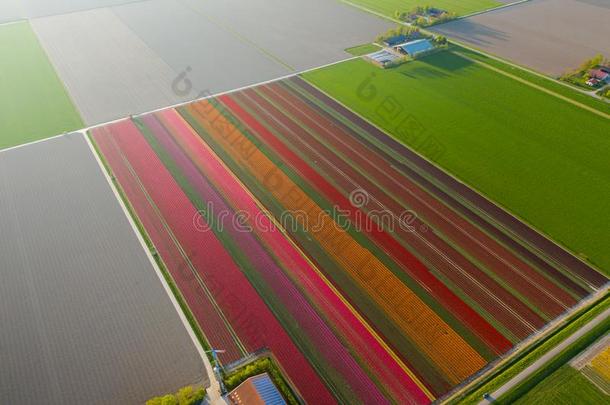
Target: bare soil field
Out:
[85,318]
[44,8]
[137,56]
[550,36]
[108,71]
[10,10]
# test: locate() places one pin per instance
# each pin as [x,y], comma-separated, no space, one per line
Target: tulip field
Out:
[289,223]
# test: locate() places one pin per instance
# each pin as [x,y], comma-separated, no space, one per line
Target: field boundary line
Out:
[535,86]
[17,21]
[23,145]
[191,333]
[389,18]
[368,10]
[208,366]
[500,7]
[240,37]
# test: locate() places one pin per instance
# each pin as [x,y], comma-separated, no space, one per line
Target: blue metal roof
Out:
[415,47]
[267,390]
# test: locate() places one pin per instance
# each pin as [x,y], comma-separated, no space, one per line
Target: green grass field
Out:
[460,7]
[542,158]
[33,101]
[363,49]
[548,83]
[565,386]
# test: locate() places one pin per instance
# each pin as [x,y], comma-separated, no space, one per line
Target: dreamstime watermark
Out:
[355,218]
[402,124]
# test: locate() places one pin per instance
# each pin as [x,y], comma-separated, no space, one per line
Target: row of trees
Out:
[425,16]
[184,396]
[592,63]
[407,31]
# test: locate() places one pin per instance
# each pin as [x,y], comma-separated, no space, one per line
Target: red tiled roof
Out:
[598,74]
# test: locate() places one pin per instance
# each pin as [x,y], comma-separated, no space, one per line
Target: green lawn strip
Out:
[547,82]
[462,251]
[168,278]
[361,50]
[33,102]
[484,313]
[530,354]
[331,377]
[259,366]
[389,7]
[565,386]
[518,146]
[555,364]
[418,361]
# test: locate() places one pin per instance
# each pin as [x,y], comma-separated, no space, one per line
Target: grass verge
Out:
[361,50]
[555,364]
[530,354]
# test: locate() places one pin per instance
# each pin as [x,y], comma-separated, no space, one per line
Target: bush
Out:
[440,40]
[399,30]
[184,396]
[591,63]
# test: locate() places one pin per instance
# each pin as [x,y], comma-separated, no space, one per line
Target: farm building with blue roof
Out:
[416,47]
[257,390]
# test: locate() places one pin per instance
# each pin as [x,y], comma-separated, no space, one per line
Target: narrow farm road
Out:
[545,358]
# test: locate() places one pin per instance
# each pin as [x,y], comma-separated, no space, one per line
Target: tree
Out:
[188,396]
[440,40]
[422,21]
[185,396]
[165,400]
[592,63]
